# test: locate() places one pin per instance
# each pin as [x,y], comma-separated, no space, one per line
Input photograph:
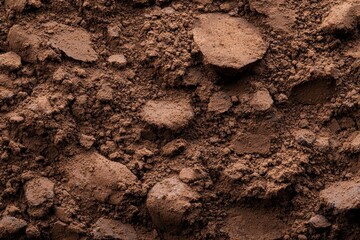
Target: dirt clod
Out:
[112,229]
[11,226]
[10,61]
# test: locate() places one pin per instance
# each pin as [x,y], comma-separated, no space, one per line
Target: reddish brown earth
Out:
[198,119]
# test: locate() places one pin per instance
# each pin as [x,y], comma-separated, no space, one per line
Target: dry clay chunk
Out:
[9,226]
[93,177]
[10,61]
[39,194]
[169,114]
[74,42]
[170,203]
[342,17]
[112,229]
[24,43]
[228,42]
[343,195]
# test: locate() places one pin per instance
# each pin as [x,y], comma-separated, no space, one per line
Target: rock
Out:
[86,141]
[61,231]
[236,171]
[219,103]
[39,194]
[105,93]
[5,94]
[261,100]
[41,105]
[10,61]
[169,114]
[32,232]
[15,5]
[353,143]
[226,42]
[319,221]
[118,60]
[189,175]
[174,147]
[252,143]
[343,17]
[253,224]
[11,226]
[24,43]
[304,137]
[354,51]
[171,203]
[93,177]
[74,42]
[342,196]
[112,229]
[279,15]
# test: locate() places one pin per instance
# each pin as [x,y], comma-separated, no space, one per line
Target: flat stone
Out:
[342,17]
[9,226]
[105,93]
[174,147]
[228,42]
[112,229]
[169,114]
[39,194]
[74,42]
[342,196]
[171,203]
[219,103]
[252,143]
[10,61]
[94,177]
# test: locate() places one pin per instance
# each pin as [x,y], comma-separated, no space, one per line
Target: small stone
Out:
[10,61]
[60,74]
[343,196]
[174,147]
[219,103]
[16,119]
[15,5]
[302,237]
[319,221]
[10,226]
[105,93]
[107,181]
[171,204]
[86,141]
[24,43]
[112,229]
[118,60]
[32,232]
[113,31]
[226,42]
[170,114]
[261,100]
[5,94]
[304,137]
[189,175]
[353,143]
[39,194]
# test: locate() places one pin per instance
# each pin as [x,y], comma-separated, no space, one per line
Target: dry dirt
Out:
[196,119]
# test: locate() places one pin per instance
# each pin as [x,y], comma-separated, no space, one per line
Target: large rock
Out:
[343,195]
[112,229]
[74,42]
[261,100]
[342,17]
[39,194]
[169,114]
[93,177]
[171,204]
[227,42]
[24,42]
[10,226]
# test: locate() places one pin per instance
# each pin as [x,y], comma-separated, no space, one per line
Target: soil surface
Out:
[174,119]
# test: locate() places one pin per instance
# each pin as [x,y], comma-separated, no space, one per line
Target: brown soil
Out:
[174,119]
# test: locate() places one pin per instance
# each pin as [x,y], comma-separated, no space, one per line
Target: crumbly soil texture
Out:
[179,119]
